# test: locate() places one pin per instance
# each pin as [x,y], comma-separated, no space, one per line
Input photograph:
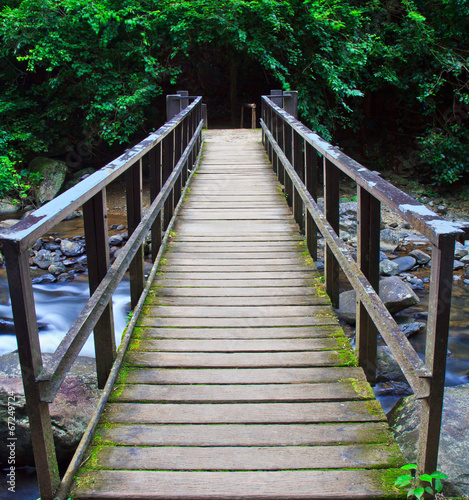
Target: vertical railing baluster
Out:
[331,205]
[281,142]
[177,154]
[439,308]
[134,216]
[168,158]
[155,188]
[288,150]
[275,133]
[311,182]
[298,165]
[29,352]
[369,220]
[97,252]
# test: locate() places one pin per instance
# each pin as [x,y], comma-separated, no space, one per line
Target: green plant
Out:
[18,186]
[416,489]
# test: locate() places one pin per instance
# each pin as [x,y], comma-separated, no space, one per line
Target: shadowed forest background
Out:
[385,80]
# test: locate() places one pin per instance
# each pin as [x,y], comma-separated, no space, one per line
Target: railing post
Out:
[134,216]
[369,219]
[331,205]
[288,150]
[439,307]
[168,163]
[97,252]
[311,182]
[29,352]
[298,165]
[155,188]
[290,102]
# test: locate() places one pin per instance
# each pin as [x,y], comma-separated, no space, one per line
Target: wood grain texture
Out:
[257,485]
[239,382]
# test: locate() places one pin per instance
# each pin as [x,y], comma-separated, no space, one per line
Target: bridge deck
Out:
[239,384]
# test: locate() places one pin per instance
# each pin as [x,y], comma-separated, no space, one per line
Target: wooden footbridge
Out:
[234,379]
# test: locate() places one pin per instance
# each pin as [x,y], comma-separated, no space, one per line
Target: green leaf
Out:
[419,492]
[409,467]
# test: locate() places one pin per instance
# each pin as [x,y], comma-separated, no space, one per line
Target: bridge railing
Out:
[296,154]
[170,153]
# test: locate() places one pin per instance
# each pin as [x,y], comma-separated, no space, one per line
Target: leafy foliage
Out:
[19,186]
[416,486]
[75,71]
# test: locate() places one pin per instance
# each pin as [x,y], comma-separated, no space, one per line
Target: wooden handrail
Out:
[172,151]
[295,151]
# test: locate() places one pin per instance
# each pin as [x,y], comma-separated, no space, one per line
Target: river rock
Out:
[53,175]
[453,458]
[395,294]
[410,329]
[389,240]
[57,268]
[71,248]
[388,268]
[421,257]
[44,279]
[387,367]
[6,207]
[62,278]
[457,264]
[70,412]
[116,240]
[405,263]
[460,251]
[43,259]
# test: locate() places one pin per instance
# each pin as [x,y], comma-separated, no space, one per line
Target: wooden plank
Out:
[221,228]
[234,238]
[246,345]
[271,485]
[286,332]
[234,292]
[234,272]
[246,435]
[237,322]
[248,458]
[209,254]
[248,413]
[239,360]
[238,283]
[296,300]
[243,375]
[213,393]
[237,312]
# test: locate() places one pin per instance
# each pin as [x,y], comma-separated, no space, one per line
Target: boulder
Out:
[389,240]
[453,458]
[421,257]
[53,174]
[116,240]
[71,248]
[395,294]
[460,250]
[8,208]
[43,259]
[44,279]
[57,268]
[70,412]
[388,267]
[405,263]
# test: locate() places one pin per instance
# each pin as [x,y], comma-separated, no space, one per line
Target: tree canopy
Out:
[75,71]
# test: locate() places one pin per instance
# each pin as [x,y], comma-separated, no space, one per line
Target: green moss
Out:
[347,358]
[361,387]
[374,408]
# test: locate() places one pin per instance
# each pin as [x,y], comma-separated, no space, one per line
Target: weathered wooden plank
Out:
[238,283]
[249,458]
[213,393]
[214,256]
[239,360]
[221,228]
[240,247]
[240,237]
[243,375]
[248,413]
[271,485]
[237,312]
[285,332]
[237,322]
[246,345]
[246,435]
[234,292]
[282,300]
[242,271]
